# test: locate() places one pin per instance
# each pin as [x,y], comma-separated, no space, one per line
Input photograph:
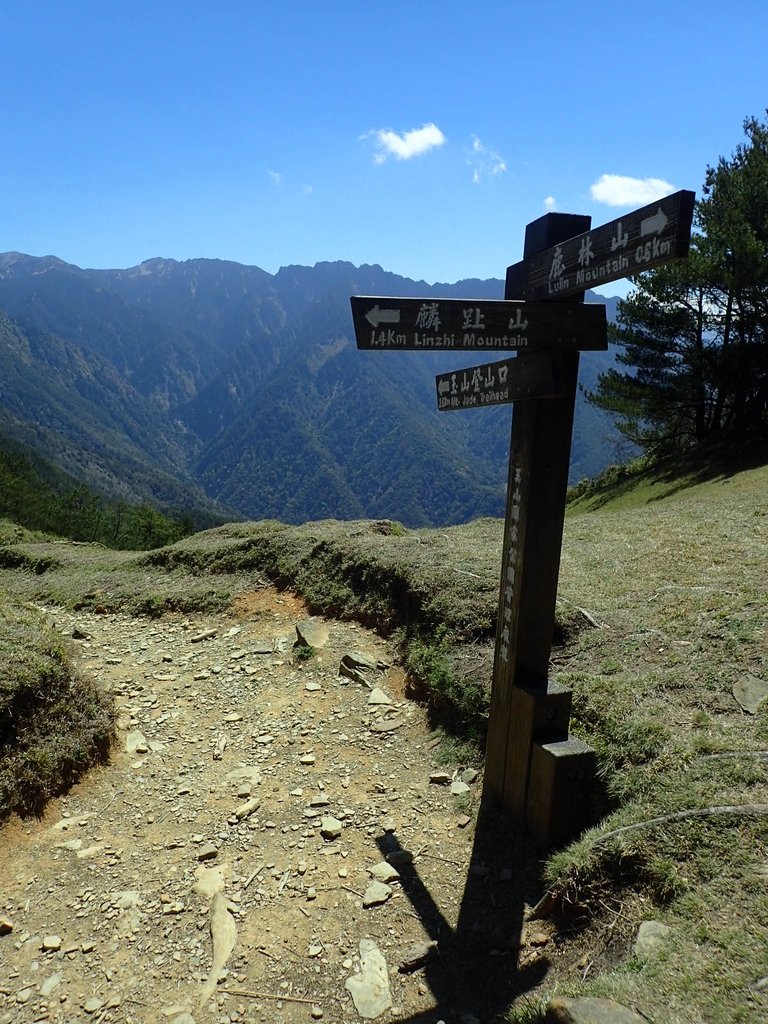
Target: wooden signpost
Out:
[464,325]
[510,380]
[638,241]
[534,768]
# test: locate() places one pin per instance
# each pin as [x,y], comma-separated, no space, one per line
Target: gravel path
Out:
[240,858]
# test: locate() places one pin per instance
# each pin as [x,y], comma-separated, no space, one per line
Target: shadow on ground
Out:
[713,463]
[708,463]
[476,972]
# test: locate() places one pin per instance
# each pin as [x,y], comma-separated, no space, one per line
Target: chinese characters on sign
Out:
[507,380]
[478,385]
[429,323]
[428,318]
[454,324]
[510,568]
[639,241]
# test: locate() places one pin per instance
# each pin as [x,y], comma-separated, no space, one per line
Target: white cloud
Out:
[409,144]
[308,190]
[276,176]
[550,203]
[485,161]
[618,190]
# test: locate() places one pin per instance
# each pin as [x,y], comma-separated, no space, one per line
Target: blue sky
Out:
[422,136]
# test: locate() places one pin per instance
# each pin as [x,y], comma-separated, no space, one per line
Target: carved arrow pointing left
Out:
[378,316]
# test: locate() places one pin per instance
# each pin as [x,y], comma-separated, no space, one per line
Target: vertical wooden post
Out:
[525,706]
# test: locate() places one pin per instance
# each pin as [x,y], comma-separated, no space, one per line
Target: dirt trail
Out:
[251,792]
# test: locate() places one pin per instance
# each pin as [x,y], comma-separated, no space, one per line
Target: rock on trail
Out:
[223,938]
[369,988]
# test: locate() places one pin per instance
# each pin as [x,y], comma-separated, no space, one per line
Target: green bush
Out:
[53,723]
[432,661]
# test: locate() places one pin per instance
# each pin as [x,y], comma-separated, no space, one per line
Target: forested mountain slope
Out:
[210,384]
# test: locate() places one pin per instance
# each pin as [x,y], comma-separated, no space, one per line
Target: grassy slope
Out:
[54,724]
[675,576]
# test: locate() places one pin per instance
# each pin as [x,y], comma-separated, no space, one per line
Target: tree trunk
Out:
[724,374]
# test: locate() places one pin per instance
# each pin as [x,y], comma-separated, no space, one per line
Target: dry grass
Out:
[675,578]
[53,724]
[678,586]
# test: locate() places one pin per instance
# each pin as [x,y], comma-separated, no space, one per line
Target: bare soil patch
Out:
[217,714]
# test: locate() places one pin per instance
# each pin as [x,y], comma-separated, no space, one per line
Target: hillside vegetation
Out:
[215,391]
[54,724]
[35,492]
[662,619]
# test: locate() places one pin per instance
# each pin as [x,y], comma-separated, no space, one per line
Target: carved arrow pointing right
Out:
[655,224]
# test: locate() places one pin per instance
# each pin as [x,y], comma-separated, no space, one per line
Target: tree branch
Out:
[759,810]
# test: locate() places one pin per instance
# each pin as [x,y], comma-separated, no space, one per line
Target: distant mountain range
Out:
[219,390]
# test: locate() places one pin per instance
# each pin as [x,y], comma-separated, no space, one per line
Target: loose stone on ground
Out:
[312,633]
[376,894]
[370,987]
[651,936]
[586,1010]
[751,693]
[237,833]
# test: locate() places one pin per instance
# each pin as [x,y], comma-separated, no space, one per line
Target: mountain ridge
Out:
[247,389]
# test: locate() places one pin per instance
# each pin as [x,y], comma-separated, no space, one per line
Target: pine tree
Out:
[693,334]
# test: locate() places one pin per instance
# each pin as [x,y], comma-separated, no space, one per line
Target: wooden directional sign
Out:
[473,325]
[534,768]
[637,241]
[499,383]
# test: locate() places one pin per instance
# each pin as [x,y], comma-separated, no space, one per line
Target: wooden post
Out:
[541,710]
[525,706]
[531,762]
[558,790]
